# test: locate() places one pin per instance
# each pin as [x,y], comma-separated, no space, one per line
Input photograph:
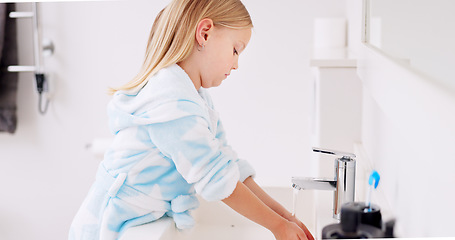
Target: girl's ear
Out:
[204,30]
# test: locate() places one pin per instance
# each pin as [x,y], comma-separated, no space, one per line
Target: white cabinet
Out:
[336,120]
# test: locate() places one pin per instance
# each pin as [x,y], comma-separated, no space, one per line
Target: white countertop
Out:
[150,231]
[332,57]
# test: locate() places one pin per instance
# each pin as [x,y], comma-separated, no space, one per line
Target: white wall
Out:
[406,27]
[408,134]
[47,169]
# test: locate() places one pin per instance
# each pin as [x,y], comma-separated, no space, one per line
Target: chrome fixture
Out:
[343,184]
[39,47]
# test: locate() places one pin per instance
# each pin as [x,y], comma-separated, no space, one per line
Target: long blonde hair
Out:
[172,36]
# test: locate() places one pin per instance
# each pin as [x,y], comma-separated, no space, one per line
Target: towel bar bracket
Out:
[21,14]
[21,69]
[41,46]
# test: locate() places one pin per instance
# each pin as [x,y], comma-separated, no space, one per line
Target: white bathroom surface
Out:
[220,232]
[215,220]
[151,231]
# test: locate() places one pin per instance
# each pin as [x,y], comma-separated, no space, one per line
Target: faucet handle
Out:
[343,155]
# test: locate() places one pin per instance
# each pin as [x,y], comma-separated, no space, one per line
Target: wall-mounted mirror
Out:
[419,32]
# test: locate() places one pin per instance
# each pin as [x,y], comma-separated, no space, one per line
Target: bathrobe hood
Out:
[176,98]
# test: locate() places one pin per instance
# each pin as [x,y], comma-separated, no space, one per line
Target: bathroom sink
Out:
[215,220]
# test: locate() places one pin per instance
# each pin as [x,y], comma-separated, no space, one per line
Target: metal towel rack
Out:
[38,48]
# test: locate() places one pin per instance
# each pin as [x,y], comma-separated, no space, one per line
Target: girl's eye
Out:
[235,52]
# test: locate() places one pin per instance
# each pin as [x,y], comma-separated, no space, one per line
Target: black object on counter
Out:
[357,220]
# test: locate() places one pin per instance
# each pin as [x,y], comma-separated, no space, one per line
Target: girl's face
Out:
[221,53]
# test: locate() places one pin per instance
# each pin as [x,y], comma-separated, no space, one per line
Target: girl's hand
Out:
[276,207]
[301,225]
[289,231]
[291,218]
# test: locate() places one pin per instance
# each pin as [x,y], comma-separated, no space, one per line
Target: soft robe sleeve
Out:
[246,170]
[198,155]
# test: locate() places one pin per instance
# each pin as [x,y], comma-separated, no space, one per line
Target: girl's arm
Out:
[265,198]
[274,205]
[245,202]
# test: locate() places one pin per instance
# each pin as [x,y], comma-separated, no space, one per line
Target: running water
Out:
[294,200]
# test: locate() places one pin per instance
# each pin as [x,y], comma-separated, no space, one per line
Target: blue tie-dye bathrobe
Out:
[169,145]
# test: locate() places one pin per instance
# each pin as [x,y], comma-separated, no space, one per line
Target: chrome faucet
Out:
[343,184]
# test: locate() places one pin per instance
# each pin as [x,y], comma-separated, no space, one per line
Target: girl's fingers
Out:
[308,233]
[300,233]
[303,227]
[302,236]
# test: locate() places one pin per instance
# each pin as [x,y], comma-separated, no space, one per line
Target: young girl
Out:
[169,142]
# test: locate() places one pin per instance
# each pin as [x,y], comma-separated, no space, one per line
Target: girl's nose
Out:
[235,66]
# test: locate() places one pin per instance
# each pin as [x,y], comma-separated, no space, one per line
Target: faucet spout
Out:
[314,183]
[343,184]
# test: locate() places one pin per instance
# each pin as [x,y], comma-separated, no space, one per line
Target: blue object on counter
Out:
[374,177]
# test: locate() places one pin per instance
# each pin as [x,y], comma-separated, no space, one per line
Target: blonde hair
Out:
[172,36]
